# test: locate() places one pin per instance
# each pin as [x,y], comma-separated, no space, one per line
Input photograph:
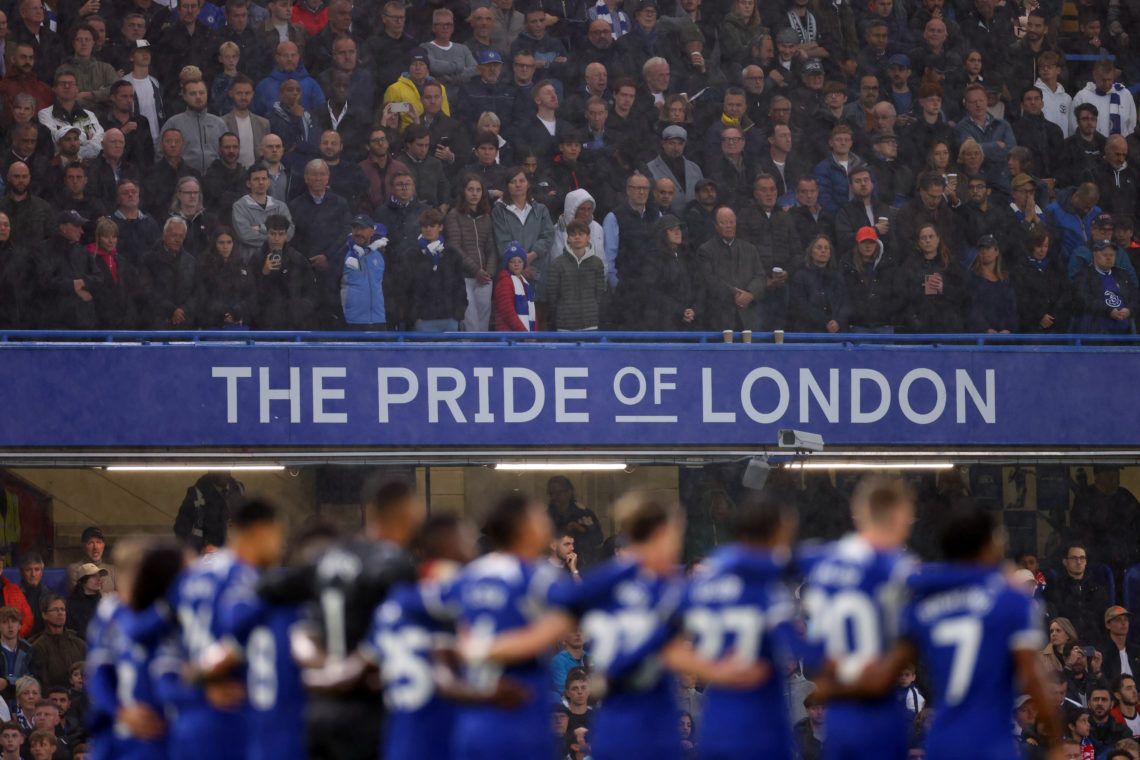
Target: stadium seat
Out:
[55,578]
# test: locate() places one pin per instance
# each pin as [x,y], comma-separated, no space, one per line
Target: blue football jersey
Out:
[627,615]
[742,607]
[203,603]
[405,630]
[966,621]
[853,597]
[492,595]
[275,715]
[121,674]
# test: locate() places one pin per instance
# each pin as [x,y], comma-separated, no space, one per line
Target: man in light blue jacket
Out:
[364,278]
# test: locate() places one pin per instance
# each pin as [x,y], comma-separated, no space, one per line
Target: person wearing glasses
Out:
[1077,596]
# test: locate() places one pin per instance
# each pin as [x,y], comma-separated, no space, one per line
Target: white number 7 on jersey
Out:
[965,635]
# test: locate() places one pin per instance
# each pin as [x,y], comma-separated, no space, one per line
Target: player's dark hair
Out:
[643,516]
[503,520]
[253,512]
[386,497]
[428,543]
[965,534]
[759,516]
[160,565]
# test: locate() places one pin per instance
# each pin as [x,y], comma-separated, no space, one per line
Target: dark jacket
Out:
[81,609]
[774,235]
[817,295]
[286,297]
[435,290]
[872,295]
[1093,304]
[1040,291]
[574,291]
[403,223]
[852,216]
[159,183]
[1044,138]
[136,236]
[920,313]
[120,296]
[993,305]
[59,264]
[225,287]
[18,301]
[101,180]
[23,663]
[205,511]
[222,186]
[56,653]
[1082,601]
[675,288]
[171,277]
[723,268]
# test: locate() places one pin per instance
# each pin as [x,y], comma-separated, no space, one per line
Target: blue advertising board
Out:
[461,394]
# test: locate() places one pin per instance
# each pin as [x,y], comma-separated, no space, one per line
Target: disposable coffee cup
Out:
[778,336]
[728,336]
[746,336]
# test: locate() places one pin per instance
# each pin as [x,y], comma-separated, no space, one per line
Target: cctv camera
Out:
[799,440]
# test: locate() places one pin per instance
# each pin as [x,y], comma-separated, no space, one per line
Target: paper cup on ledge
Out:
[778,336]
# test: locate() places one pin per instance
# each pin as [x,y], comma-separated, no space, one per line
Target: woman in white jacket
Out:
[579,205]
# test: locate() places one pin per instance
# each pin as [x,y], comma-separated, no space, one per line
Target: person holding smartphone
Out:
[931,287]
[285,286]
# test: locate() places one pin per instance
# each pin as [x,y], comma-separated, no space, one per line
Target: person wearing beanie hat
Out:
[408,87]
[514,296]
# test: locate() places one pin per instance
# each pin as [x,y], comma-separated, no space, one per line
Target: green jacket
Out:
[574,291]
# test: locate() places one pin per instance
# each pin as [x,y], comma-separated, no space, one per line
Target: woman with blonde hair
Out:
[1061,632]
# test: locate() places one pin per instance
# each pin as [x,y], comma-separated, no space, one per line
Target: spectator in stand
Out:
[1076,596]
[225,288]
[224,181]
[869,274]
[1116,108]
[199,128]
[161,179]
[321,217]
[172,272]
[576,282]
[1124,691]
[865,209]
[12,596]
[66,113]
[1104,730]
[810,731]
[249,127]
[284,184]
[1102,228]
[379,166]
[677,296]
[368,286]
[933,205]
[1103,516]
[436,295]
[576,697]
[94,546]
[931,286]
[568,516]
[287,58]
[513,300]
[515,218]
[833,172]
[808,216]
[1070,218]
[1120,656]
[1118,180]
[30,216]
[408,87]
[572,655]
[452,63]
[57,647]
[138,231]
[993,302]
[427,170]
[286,290]
[19,657]
[201,523]
[67,277]
[84,597]
[468,226]
[817,295]
[734,275]
[1105,293]
[32,584]
[767,226]
[251,210]
[1043,291]
[187,206]
[1082,149]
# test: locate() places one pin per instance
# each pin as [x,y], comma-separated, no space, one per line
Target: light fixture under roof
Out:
[560,466]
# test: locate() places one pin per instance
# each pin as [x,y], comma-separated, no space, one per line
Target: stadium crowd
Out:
[895,165]
[255,645]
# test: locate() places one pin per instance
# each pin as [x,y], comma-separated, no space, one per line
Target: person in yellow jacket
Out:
[408,87]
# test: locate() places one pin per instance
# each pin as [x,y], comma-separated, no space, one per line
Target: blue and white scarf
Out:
[618,21]
[524,301]
[435,256]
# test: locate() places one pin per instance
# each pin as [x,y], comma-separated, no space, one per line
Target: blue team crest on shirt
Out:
[1112,300]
